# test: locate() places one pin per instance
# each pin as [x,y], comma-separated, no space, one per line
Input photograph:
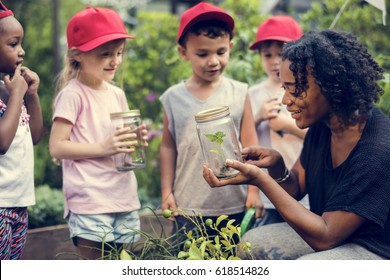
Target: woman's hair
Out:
[209,28]
[343,69]
[70,70]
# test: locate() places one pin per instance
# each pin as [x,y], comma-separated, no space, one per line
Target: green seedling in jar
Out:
[217,138]
[136,157]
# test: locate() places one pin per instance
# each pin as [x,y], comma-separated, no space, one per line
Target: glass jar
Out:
[135,159]
[218,140]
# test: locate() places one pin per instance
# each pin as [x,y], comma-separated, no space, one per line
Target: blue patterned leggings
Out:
[13,232]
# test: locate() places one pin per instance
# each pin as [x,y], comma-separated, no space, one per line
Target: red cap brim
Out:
[102,40]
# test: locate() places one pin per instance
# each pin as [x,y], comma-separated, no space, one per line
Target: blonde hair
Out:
[71,69]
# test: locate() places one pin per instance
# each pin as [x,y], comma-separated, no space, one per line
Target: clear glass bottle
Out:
[218,140]
[136,159]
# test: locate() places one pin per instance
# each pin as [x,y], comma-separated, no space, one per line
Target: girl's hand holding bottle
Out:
[123,140]
[128,145]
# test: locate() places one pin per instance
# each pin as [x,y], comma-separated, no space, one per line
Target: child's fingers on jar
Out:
[127,146]
[122,130]
[127,137]
[144,132]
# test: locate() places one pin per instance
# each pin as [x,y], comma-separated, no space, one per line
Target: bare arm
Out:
[248,135]
[248,138]
[320,232]
[284,122]
[32,103]
[168,155]
[258,117]
[12,94]
[62,148]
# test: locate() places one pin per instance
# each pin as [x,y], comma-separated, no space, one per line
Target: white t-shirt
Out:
[17,166]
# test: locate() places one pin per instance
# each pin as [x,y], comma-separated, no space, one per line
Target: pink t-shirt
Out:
[94,186]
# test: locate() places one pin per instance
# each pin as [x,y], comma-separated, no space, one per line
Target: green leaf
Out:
[200,239]
[211,137]
[226,243]
[220,134]
[216,240]
[195,253]
[183,255]
[224,236]
[230,222]
[203,246]
[220,219]
[124,255]
[189,234]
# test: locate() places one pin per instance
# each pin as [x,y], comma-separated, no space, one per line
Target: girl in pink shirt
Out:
[101,203]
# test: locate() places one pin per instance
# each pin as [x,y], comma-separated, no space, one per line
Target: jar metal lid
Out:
[131,113]
[212,114]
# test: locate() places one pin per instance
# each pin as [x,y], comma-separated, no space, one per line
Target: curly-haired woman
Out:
[330,84]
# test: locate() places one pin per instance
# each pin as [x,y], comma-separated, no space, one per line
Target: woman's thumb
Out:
[233,163]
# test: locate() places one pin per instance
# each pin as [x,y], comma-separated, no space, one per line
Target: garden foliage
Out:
[195,244]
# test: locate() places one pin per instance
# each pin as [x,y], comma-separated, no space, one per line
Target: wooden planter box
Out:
[54,243]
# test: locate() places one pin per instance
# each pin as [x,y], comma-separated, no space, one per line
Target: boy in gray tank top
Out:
[204,39]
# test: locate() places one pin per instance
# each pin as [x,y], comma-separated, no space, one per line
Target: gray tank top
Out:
[191,191]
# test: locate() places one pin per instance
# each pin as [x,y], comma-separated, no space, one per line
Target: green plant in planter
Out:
[151,246]
[222,246]
[196,244]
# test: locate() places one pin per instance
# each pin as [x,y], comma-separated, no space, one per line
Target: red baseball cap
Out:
[5,12]
[200,12]
[93,27]
[279,28]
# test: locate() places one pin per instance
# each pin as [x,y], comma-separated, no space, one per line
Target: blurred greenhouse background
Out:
[152,64]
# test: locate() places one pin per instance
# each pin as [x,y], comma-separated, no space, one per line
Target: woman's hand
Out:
[248,174]
[256,157]
[261,157]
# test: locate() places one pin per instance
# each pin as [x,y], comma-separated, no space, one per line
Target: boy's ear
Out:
[231,44]
[182,51]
